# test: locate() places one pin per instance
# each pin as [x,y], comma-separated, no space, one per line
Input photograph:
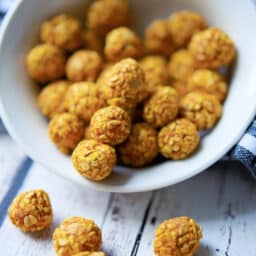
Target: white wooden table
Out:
[222,200]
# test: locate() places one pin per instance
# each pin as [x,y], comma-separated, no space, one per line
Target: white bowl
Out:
[28,127]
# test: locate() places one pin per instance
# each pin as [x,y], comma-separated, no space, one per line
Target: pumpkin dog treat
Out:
[123,43]
[158,39]
[162,107]
[141,147]
[66,130]
[178,236]
[123,84]
[84,65]
[46,63]
[76,235]
[212,48]
[178,140]
[82,99]
[90,254]
[203,109]
[156,72]
[183,25]
[208,81]
[110,125]
[181,65]
[105,15]
[94,160]
[63,31]
[50,99]
[31,211]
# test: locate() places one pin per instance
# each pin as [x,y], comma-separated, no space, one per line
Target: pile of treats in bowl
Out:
[108,92]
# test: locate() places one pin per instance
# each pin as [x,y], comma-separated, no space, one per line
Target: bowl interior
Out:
[29,128]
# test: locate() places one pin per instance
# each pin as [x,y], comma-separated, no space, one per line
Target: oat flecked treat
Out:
[123,43]
[110,125]
[105,15]
[63,31]
[162,107]
[158,39]
[208,81]
[141,147]
[66,130]
[156,72]
[31,211]
[178,140]
[84,65]
[177,237]
[123,84]
[203,109]
[50,99]
[183,25]
[76,235]
[181,65]
[94,160]
[90,254]
[82,99]
[212,48]
[46,63]
[92,41]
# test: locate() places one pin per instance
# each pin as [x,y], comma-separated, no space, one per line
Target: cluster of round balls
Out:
[76,236]
[110,94]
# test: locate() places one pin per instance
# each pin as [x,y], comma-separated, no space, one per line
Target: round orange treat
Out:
[210,82]
[46,63]
[66,130]
[156,72]
[123,43]
[212,48]
[162,107]
[178,140]
[123,84]
[183,25]
[76,235]
[92,41]
[31,211]
[141,147]
[203,109]
[94,160]
[177,237]
[82,99]
[110,125]
[158,39]
[84,65]
[50,99]
[181,65]
[105,15]
[63,31]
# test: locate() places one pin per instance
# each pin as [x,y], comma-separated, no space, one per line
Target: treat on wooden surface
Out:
[141,147]
[156,72]
[50,99]
[94,160]
[203,109]
[212,48]
[110,125]
[77,235]
[105,15]
[66,130]
[31,211]
[183,25]
[64,31]
[84,65]
[46,63]
[162,107]
[178,236]
[178,140]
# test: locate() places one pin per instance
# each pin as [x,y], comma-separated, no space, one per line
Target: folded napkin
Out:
[244,151]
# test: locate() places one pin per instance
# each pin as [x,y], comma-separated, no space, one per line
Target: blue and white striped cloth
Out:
[244,151]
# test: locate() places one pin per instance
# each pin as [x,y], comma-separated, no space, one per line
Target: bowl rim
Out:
[102,187]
